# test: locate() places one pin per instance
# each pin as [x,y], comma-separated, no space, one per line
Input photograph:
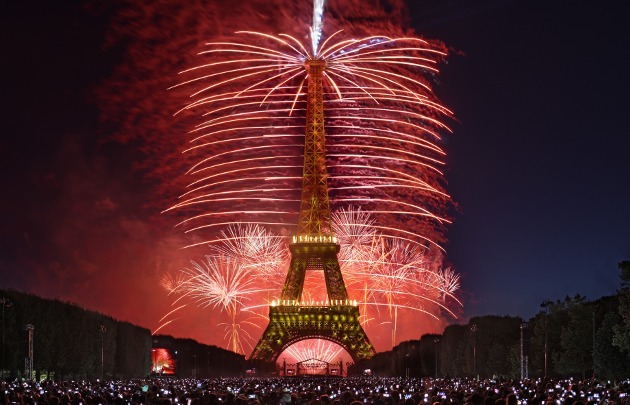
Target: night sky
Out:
[539,159]
[537,163]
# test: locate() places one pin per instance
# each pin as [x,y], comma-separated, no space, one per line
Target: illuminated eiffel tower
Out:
[314,248]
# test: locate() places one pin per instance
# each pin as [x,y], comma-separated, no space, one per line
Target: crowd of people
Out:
[317,391]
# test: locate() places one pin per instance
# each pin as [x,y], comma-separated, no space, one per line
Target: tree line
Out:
[571,337]
[70,342]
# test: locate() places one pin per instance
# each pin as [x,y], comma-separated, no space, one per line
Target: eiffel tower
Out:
[314,248]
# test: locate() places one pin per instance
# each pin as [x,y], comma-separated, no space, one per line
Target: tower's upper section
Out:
[314,221]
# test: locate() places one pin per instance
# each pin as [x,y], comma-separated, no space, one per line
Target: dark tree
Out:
[609,361]
[451,351]
[622,329]
[576,339]
[489,345]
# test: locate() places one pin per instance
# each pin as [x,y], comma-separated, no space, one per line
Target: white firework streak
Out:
[449,282]
[257,249]
[220,281]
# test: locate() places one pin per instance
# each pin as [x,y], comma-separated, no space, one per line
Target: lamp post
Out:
[29,360]
[474,329]
[102,329]
[436,341]
[545,305]
[407,365]
[6,303]
[524,374]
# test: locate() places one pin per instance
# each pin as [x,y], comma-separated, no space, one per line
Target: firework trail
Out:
[384,155]
[237,336]
[220,282]
[171,281]
[240,276]
[247,99]
[259,252]
[390,275]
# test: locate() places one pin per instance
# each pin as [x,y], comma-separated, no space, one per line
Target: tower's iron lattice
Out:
[314,248]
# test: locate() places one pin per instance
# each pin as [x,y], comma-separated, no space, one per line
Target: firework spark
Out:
[239,339]
[171,281]
[390,275]
[259,252]
[218,282]
[384,127]
[243,273]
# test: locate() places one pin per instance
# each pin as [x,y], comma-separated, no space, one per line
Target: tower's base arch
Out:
[289,324]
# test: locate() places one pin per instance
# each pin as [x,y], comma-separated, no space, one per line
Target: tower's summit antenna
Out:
[316,27]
